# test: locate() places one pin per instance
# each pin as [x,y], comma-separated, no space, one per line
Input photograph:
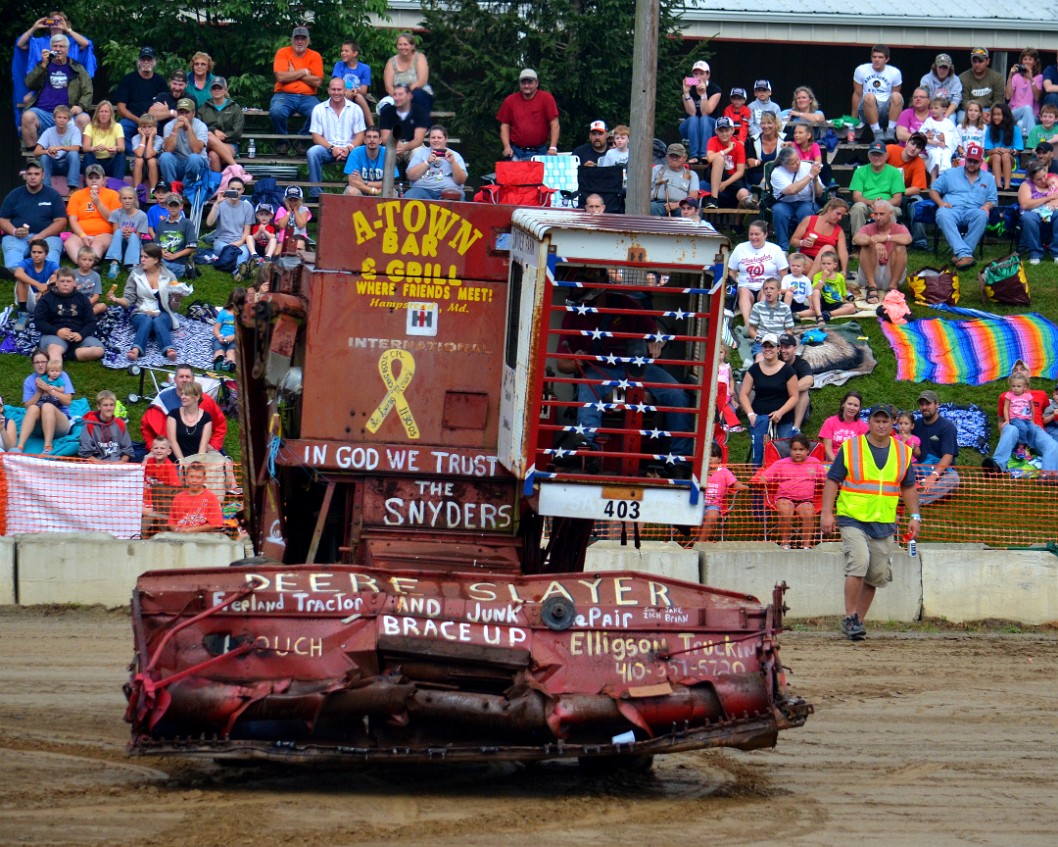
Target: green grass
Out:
[881,386]
[91,377]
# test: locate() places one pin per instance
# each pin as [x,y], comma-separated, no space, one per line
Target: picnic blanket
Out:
[68,444]
[844,355]
[971,424]
[974,351]
[193,340]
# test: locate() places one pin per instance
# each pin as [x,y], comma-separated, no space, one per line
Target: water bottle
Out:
[251,149]
[912,548]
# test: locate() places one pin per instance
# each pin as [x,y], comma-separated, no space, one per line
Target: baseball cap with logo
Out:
[918,139]
[975,152]
[264,207]
[738,92]
[676,150]
[178,75]
[95,170]
[218,82]
[701,66]
[597,126]
[300,31]
[978,53]
[147,53]
[877,147]
[943,60]
[185,104]
[928,396]
[769,338]
[689,201]
[881,409]
[724,123]
[787,340]
[762,85]
[294,191]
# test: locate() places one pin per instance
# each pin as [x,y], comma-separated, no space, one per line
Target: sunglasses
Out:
[976,59]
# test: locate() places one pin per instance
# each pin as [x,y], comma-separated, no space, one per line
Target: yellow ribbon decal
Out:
[395,387]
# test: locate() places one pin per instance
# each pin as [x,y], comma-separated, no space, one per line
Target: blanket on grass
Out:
[193,340]
[65,446]
[974,351]
[844,355]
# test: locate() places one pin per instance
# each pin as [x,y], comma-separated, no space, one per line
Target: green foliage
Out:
[582,50]
[241,36]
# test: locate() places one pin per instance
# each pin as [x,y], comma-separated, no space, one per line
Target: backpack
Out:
[227,259]
[1004,281]
[267,190]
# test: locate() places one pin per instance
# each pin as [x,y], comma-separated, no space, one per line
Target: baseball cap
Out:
[738,92]
[724,123]
[95,170]
[173,200]
[676,150]
[701,66]
[294,191]
[527,73]
[979,51]
[918,138]
[1044,147]
[787,340]
[218,82]
[943,60]
[762,84]
[597,126]
[264,207]
[180,75]
[146,52]
[161,187]
[689,201]
[877,147]
[974,151]
[928,396]
[769,338]
[185,104]
[881,409]
[300,30]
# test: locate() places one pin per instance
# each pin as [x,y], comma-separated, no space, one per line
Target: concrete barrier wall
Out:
[664,558]
[815,578]
[1018,585]
[95,568]
[7,571]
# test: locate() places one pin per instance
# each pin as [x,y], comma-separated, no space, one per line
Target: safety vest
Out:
[869,494]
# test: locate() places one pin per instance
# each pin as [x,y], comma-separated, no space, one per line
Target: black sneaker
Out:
[853,628]
[710,203]
[991,467]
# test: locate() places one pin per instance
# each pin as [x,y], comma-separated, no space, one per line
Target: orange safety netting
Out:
[996,510]
[55,494]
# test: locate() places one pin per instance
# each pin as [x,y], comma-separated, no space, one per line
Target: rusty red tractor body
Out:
[435,409]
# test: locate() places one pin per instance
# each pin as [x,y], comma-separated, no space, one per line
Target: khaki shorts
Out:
[866,557]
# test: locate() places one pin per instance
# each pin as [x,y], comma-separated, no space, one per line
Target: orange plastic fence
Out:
[52,494]
[999,511]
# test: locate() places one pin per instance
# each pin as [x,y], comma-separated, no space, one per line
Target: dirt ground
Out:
[934,740]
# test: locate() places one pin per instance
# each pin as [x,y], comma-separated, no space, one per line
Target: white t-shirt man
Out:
[879,83]
[754,266]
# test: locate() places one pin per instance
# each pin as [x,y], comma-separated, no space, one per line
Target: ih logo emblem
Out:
[422,319]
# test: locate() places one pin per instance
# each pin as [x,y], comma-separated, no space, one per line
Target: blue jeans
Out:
[697,129]
[68,166]
[178,268]
[1025,119]
[973,218]
[524,154]
[317,157]
[284,105]
[130,256]
[113,166]
[46,120]
[422,194]
[590,415]
[188,168]
[1034,437]
[160,325]
[17,249]
[757,433]
[1032,228]
[946,483]
[785,218]
[130,128]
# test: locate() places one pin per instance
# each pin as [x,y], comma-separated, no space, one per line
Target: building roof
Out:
[868,22]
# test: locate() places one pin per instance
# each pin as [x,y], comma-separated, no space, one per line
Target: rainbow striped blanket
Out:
[973,352]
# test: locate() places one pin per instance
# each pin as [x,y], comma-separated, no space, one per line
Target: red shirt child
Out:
[196,509]
[739,114]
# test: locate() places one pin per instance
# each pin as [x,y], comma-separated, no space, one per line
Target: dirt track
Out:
[917,740]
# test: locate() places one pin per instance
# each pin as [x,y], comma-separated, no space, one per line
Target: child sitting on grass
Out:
[798,480]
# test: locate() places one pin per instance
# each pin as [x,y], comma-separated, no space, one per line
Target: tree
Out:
[582,50]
